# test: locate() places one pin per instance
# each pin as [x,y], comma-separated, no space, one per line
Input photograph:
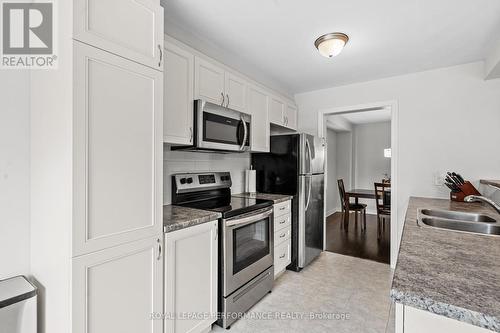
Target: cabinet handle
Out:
[227,104]
[159,249]
[283,235]
[282,256]
[283,208]
[190,134]
[216,230]
[223,98]
[282,222]
[161,55]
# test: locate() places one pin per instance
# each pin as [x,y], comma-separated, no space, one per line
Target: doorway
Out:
[361,150]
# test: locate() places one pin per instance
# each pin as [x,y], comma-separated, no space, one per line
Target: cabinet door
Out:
[179,95]
[258,108]
[236,92]
[130,28]
[118,289]
[191,277]
[291,117]
[208,81]
[118,150]
[276,111]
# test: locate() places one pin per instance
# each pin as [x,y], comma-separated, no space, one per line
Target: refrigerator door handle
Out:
[308,193]
[308,146]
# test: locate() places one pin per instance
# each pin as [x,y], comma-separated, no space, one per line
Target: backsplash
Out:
[179,161]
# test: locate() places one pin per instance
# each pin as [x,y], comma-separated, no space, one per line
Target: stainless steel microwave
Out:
[217,128]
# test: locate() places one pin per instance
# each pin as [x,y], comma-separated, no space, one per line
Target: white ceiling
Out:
[387,37]
[344,121]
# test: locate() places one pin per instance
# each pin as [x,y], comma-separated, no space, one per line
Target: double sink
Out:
[458,221]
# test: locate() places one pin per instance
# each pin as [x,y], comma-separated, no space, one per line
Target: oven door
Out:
[220,128]
[248,247]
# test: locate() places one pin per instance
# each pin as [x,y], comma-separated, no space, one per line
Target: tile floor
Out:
[331,284]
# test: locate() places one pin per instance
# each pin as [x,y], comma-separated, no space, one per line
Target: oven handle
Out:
[249,218]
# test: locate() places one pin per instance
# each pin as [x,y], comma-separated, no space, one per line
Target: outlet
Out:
[439,178]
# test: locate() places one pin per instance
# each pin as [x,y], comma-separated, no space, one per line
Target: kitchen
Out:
[169,175]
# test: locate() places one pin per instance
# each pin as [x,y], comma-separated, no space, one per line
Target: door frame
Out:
[393,105]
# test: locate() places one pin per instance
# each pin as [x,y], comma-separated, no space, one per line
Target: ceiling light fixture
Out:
[330,45]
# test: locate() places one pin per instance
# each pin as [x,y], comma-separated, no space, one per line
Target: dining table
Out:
[358,193]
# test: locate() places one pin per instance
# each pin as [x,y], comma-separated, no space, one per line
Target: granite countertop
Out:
[177,217]
[453,274]
[276,198]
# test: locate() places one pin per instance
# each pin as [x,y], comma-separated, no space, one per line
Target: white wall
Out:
[370,165]
[449,119]
[52,181]
[14,173]
[179,162]
[332,197]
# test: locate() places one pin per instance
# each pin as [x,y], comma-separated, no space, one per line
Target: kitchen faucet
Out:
[479,198]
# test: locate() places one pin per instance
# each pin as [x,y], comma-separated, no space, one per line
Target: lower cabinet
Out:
[191,278]
[413,320]
[282,236]
[119,289]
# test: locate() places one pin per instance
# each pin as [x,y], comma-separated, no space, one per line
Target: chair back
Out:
[383,198]
[343,198]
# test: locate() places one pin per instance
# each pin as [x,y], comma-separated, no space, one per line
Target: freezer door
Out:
[311,203]
[312,155]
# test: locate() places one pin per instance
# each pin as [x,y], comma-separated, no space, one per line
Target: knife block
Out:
[465,190]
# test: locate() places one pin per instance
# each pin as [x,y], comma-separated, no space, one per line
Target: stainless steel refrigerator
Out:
[295,166]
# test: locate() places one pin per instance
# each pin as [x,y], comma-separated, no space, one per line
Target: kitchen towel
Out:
[250,176]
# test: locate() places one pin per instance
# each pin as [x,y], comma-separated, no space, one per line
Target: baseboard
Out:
[330,212]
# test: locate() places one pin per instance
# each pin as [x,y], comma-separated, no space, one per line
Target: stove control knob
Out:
[189,180]
[183,181]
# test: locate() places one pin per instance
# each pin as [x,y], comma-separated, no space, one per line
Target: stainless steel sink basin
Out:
[461,216]
[474,227]
[458,221]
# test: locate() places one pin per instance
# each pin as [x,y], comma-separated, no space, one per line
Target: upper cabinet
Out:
[209,82]
[291,116]
[282,113]
[179,95]
[276,111]
[258,107]
[106,24]
[189,75]
[219,86]
[236,90]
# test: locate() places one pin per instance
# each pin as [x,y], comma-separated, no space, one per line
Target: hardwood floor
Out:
[352,242]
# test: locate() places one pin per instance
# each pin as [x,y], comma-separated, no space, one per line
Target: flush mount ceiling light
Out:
[330,45]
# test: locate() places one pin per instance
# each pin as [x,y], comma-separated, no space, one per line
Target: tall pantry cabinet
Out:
[97,170]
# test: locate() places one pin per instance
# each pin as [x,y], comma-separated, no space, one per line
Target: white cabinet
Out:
[282,236]
[282,113]
[276,110]
[191,277]
[118,289]
[219,86]
[178,95]
[209,82]
[413,320]
[117,150]
[291,116]
[130,28]
[258,108]
[236,90]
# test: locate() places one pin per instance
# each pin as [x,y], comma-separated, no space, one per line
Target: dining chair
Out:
[383,203]
[348,207]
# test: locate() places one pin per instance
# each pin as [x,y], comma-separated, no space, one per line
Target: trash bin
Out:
[17,305]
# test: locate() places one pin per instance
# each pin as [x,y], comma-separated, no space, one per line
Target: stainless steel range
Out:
[245,239]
